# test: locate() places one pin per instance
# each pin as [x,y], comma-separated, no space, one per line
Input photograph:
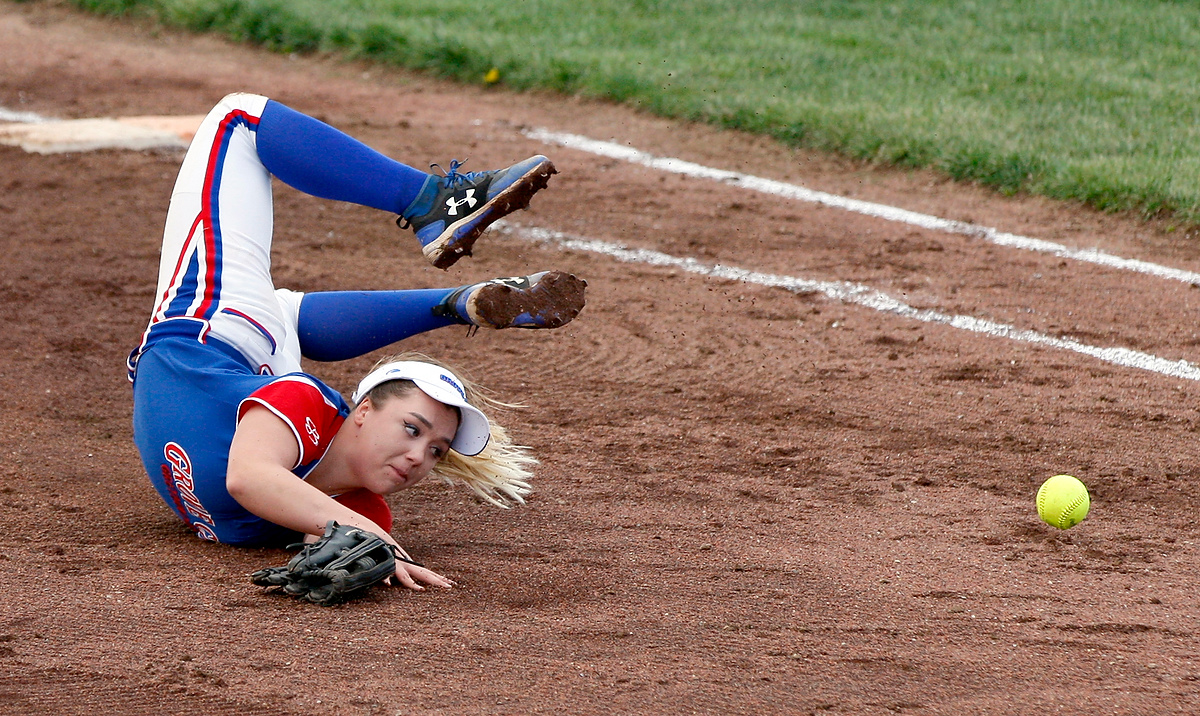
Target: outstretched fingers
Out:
[408,574]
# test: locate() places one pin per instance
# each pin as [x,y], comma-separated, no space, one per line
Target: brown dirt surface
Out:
[750,500]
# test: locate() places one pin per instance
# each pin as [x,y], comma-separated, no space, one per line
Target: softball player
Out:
[243,445]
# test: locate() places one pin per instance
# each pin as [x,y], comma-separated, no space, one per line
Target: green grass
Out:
[1095,100]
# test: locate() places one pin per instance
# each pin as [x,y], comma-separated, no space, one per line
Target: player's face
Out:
[402,440]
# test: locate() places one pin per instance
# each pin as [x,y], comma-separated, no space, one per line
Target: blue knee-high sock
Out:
[309,155]
[338,325]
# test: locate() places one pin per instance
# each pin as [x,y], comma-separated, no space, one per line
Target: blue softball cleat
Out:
[453,210]
[549,299]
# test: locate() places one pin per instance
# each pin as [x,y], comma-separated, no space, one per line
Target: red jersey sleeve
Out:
[295,400]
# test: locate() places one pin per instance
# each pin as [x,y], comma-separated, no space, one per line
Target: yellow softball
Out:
[1063,501]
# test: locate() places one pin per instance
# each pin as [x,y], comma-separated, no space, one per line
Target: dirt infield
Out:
[750,501]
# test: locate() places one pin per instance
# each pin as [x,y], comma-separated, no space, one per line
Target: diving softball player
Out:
[244,446]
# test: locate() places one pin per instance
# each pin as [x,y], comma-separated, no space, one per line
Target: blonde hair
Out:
[500,474]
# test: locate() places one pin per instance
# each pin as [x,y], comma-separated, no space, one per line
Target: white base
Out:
[82,135]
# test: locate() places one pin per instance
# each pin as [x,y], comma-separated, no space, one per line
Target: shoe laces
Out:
[453,177]
[450,179]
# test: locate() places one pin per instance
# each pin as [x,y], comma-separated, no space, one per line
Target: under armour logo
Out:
[469,199]
[311,428]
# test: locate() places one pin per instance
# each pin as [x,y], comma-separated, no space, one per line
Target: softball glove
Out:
[340,565]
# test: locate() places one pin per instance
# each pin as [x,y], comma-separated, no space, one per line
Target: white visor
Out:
[444,387]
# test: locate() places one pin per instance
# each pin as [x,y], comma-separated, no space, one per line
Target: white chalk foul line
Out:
[882,211]
[9,115]
[858,294]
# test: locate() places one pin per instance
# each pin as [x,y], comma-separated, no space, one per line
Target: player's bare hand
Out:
[408,574]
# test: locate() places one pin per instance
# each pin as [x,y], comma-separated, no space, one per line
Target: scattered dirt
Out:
[750,500]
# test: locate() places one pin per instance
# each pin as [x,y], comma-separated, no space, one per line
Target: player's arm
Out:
[259,477]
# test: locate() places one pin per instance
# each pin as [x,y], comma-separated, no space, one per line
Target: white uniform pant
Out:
[214,278]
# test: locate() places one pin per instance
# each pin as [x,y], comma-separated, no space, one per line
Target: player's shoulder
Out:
[311,409]
[302,385]
[298,393]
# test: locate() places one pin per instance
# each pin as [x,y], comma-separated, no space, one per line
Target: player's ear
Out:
[360,411]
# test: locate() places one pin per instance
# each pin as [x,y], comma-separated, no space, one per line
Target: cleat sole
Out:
[554,301]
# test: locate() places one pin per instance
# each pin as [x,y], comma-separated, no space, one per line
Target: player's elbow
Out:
[246,486]
[239,481]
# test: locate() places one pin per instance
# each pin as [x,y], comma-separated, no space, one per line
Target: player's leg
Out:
[214,276]
[448,213]
[338,325]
